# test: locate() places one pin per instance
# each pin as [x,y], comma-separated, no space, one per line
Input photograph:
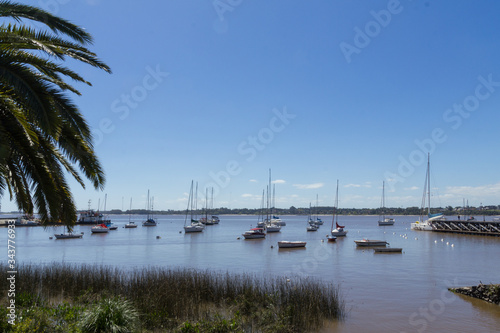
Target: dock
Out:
[4,221]
[473,227]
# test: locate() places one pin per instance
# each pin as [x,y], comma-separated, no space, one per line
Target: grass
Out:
[180,300]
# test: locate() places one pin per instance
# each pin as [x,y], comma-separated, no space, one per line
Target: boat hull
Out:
[67,236]
[291,244]
[130,225]
[391,222]
[370,242]
[388,250]
[192,229]
[339,233]
[99,231]
[273,229]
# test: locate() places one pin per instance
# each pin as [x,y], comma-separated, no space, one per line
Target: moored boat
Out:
[388,250]
[291,244]
[339,229]
[99,229]
[67,236]
[195,225]
[131,225]
[254,233]
[426,225]
[150,221]
[370,242]
[382,221]
[331,238]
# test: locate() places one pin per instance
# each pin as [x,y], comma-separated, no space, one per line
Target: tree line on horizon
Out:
[326,210]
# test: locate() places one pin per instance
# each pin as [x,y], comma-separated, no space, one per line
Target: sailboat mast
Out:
[206,204]
[130,211]
[147,207]
[269,199]
[383,200]
[428,184]
[337,202]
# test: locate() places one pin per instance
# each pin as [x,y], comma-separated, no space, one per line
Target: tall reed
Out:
[168,297]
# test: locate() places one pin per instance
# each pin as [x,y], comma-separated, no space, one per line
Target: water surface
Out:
[404,292]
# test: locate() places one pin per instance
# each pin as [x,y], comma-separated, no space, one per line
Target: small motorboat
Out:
[68,235]
[254,233]
[370,242]
[386,221]
[131,225]
[99,229]
[290,244]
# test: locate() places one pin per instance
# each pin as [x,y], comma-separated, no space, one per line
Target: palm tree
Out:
[43,135]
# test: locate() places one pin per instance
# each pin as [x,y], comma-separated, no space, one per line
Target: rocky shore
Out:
[486,292]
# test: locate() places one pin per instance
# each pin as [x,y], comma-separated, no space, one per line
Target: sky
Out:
[221,91]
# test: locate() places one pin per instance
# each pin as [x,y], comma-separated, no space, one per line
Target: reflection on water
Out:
[403,292]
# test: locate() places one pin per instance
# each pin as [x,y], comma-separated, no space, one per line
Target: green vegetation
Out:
[64,298]
[43,135]
[488,211]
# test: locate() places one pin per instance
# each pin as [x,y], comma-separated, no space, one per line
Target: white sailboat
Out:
[271,226]
[339,230]
[311,226]
[150,221]
[130,224]
[193,225]
[382,219]
[426,225]
[318,221]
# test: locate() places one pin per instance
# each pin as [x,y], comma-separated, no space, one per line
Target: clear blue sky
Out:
[315,90]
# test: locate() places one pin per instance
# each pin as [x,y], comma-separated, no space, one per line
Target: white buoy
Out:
[452,245]
[435,241]
[442,240]
[416,238]
[447,243]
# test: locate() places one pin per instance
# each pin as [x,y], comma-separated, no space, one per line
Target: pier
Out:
[474,227]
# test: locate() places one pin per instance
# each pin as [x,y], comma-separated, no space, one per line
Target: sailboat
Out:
[271,226]
[194,225]
[311,226]
[150,222]
[318,221]
[205,220]
[259,232]
[339,229]
[427,224]
[68,235]
[382,219]
[215,219]
[130,224]
[274,218]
